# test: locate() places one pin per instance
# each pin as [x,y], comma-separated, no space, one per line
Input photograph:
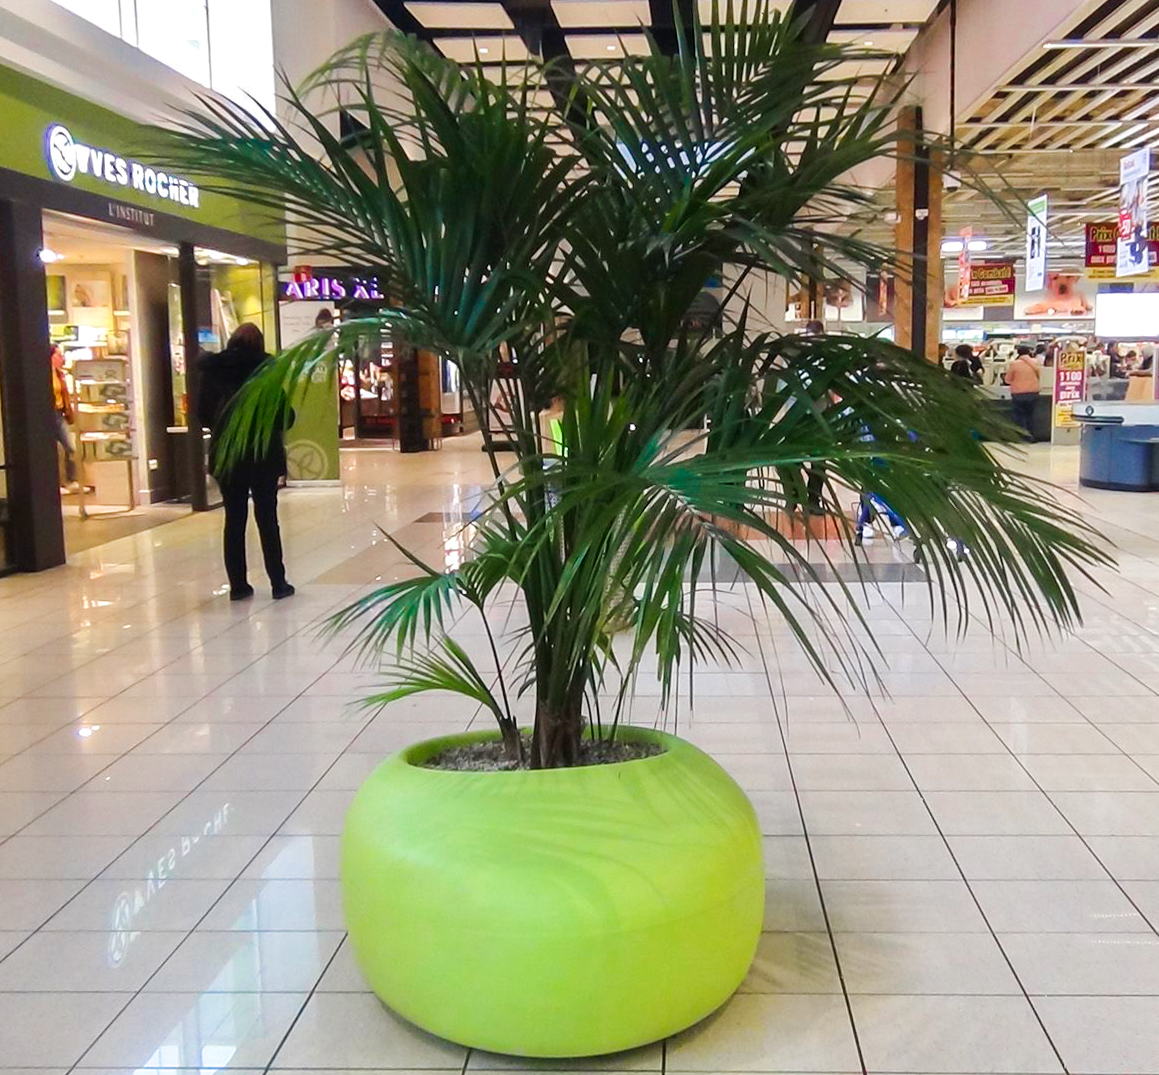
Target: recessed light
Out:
[483,51]
[611,48]
[868,43]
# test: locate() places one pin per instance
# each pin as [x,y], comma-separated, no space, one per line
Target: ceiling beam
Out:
[396,11]
[535,21]
[818,16]
[666,16]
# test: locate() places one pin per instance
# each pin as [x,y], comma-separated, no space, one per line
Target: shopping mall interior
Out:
[703,566]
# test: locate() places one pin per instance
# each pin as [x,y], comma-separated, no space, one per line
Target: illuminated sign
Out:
[67,158]
[332,289]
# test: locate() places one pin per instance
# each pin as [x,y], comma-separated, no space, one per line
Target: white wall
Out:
[306,34]
[47,41]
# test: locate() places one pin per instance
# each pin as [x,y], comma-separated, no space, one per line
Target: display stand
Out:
[1070,388]
[95,448]
[104,428]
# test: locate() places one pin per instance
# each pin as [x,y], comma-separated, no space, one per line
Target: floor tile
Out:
[1030,858]
[996,813]
[769,1034]
[79,857]
[901,907]
[198,738]
[850,772]
[161,772]
[46,772]
[1130,857]
[793,963]
[139,905]
[18,808]
[1054,739]
[920,858]
[793,906]
[102,813]
[924,963]
[90,737]
[27,903]
[234,813]
[968,772]
[355,1030]
[188,856]
[934,1034]
[321,813]
[296,858]
[917,739]
[879,813]
[1057,907]
[198,1030]
[1085,964]
[269,772]
[34,1035]
[278,905]
[1089,772]
[1104,1035]
[1110,813]
[242,962]
[114,960]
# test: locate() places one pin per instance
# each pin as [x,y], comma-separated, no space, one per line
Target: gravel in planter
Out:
[489,756]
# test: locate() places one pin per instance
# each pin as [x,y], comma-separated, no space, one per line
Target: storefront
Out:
[133,272]
[374,373]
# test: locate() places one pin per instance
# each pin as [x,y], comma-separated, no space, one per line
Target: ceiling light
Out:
[49,256]
[977,244]
[611,48]
[869,43]
[483,51]
[1103,43]
[951,246]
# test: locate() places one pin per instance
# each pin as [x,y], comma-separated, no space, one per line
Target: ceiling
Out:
[595,29]
[1060,124]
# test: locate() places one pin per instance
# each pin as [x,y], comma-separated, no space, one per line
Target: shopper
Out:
[254,475]
[64,415]
[966,363]
[1022,377]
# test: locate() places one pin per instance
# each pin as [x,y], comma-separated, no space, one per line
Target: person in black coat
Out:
[256,476]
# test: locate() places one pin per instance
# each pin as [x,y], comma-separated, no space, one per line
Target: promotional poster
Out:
[1131,251]
[1036,244]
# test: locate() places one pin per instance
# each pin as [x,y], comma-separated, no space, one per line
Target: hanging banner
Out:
[1102,240]
[990,283]
[1131,253]
[967,234]
[879,295]
[1036,244]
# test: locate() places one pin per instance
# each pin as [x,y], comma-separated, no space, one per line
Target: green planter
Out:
[563,912]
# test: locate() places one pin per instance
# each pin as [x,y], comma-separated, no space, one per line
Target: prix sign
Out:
[67,158]
[1102,241]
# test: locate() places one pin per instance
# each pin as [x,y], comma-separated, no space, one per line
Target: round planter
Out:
[562,912]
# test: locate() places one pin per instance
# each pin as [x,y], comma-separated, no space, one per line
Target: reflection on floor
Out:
[963,877]
[103,525]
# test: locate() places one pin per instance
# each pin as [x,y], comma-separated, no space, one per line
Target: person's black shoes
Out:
[283,590]
[241,593]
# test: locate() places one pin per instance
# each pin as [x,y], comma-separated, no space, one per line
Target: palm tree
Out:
[579,247]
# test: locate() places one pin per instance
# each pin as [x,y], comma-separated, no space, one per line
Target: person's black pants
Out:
[236,490]
[1024,410]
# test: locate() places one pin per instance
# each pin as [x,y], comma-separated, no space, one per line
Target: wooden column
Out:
[918,235]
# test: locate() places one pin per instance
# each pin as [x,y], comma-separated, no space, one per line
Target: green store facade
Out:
[151,272]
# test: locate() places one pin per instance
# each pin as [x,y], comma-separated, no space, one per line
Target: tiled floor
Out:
[962,877]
